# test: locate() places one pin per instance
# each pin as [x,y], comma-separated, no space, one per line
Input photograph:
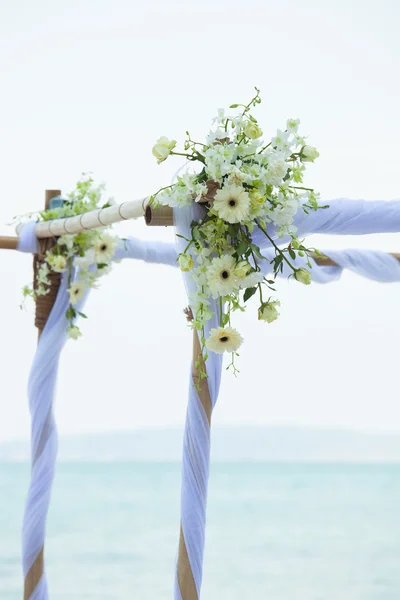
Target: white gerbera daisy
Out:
[224,339]
[221,277]
[76,291]
[232,204]
[104,248]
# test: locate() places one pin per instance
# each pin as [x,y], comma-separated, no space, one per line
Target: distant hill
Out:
[274,444]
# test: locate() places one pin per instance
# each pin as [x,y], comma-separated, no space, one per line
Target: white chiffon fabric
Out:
[41,389]
[343,217]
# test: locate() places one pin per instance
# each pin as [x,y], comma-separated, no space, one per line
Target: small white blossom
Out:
[77,291]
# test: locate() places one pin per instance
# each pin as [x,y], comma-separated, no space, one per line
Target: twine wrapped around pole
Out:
[44,306]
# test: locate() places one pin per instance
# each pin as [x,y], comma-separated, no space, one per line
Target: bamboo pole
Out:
[8,243]
[42,314]
[185,576]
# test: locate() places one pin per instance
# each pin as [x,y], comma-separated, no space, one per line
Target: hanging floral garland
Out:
[90,251]
[243,183]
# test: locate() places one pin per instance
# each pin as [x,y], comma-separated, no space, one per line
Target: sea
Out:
[274,531]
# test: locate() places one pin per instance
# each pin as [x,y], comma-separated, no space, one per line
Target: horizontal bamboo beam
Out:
[133,209]
[8,243]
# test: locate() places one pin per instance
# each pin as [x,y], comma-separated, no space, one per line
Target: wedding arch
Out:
[342,217]
[241,221]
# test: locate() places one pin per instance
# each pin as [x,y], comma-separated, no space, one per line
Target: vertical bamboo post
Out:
[43,309]
[185,576]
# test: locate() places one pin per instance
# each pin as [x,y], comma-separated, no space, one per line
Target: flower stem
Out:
[276,247]
[298,187]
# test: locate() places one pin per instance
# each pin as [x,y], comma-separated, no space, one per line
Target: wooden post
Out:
[185,576]
[43,308]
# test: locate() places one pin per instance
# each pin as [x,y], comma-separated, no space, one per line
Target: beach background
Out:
[275,530]
[285,519]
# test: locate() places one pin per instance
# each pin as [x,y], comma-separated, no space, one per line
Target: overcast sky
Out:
[89,85]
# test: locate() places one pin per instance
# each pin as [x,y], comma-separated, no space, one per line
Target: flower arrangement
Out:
[243,183]
[91,251]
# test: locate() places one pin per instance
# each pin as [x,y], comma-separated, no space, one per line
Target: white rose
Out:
[186,262]
[74,332]
[163,148]
[268,312]
[243,268]
[303,276]
[252,130]
[309,154]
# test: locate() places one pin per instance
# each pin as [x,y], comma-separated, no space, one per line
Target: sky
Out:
[88,86]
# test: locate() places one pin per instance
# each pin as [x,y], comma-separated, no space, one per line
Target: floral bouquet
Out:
[243,183]
[91,251]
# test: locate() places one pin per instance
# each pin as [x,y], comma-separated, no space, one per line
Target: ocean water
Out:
[275,532]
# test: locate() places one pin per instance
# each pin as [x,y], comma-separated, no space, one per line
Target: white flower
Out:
[74,332]
[232,204]
[236,176]
[221,278]
[76,291]
[224,339]
[303,276]
[268,311]
[276,171]
[104,248]
[309,154]
[220,156]
[280,141]
[162,149]
[217,135]
[57,262]
[42,276]
[66,240]
[248,149]
[283,214]
[292,125]
[251,280]
[220,116]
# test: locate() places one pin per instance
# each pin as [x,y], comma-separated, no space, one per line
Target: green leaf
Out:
[102,265]
[249,293]
[242,247]
[233,230]
[292,254]
[81,314]
[225,320]
[256,251]
[234,105]
[71,313]
[196,234]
